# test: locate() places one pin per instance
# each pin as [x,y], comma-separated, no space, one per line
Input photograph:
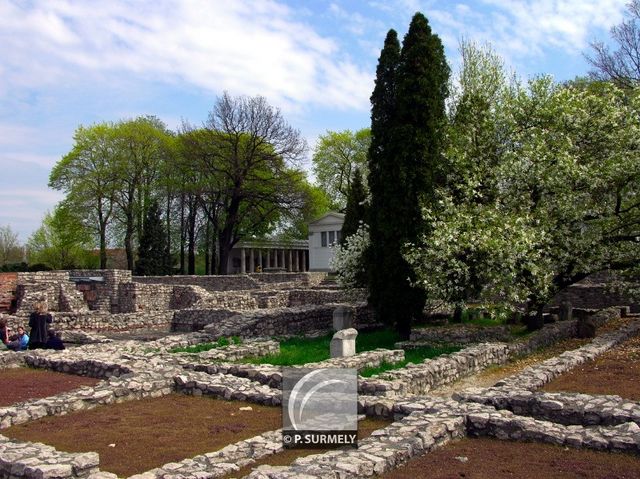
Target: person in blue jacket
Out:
[21,342]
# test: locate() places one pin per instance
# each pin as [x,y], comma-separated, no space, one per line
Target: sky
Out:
[66,63]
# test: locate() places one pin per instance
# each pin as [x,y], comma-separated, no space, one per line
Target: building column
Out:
[305,256]
[260,258]
[243,262]
[290,263]
[252,266]
[295,260]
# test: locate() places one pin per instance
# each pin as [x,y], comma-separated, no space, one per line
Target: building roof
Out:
[339,217]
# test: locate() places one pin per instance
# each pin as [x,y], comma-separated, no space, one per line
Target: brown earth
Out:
[486,458]
[493,374]
[136,436]
[615,372]
[286,457]
[21,384]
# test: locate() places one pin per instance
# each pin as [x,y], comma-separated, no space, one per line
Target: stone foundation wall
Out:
[8,284]
[301,279]
[210,283]
[456,335]
[297,321]
[594,296]
[134,297]
[101,321]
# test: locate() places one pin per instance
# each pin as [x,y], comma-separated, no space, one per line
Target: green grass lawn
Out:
[297,351]
[415,356]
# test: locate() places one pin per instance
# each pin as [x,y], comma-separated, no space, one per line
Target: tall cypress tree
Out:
[382,176]
[406,127]
[153,255]
[355,210]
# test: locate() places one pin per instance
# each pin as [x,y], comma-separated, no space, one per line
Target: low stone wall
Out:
[210,283]
[298,321]
[505,425]
[106,392]
[594,296]
[8,284]
[432,373]
[562,408]
[233,352]
[220,463]
[20,459]
[134,297]
[384,450]
[230,388]
[302,279]
[187,320]
[456,335]
[271,375]
[102,321]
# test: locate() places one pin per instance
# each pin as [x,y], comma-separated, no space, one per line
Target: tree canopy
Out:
[336,157]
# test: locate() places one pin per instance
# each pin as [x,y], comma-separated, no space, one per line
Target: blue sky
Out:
[64,63]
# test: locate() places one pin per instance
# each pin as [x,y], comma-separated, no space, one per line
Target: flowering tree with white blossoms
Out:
[349,260]
[543,190]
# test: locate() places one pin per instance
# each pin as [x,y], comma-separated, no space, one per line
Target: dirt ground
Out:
[493,374]
[615,372]
[286,457]
[486,458]
[21,384]
[135,436]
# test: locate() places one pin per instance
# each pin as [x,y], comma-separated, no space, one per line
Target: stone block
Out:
[343,343]
[342,318]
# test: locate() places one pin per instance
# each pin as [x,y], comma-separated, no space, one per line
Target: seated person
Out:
[4,330]
[20,341]
[54,341]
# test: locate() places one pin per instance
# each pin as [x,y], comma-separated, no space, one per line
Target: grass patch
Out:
[199,348]
[415,356]
[296,351]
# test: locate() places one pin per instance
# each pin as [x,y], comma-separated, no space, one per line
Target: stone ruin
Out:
[114,300]
[256,307]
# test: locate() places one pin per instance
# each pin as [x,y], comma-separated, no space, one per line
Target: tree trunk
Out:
[103,246]
[128,242]
[182,234]
[207,265]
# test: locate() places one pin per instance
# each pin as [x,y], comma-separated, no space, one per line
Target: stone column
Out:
[243,262]
[260,259]
[305,257]
[290,263]
[252,266]
[268,258]
[296,256]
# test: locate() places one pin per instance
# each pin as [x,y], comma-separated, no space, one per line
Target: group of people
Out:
[41,335]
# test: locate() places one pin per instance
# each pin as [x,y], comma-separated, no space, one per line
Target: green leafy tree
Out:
[355,212]
[154,258]
[87,174]
[142,145]
[381,169]
[62,242]
[408,167]
[552,198]
[10,250]
[336,157]
[253,158]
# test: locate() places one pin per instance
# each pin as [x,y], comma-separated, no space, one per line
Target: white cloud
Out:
[250,47]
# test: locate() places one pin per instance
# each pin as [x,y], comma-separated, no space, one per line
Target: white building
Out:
[324,235]
[269,255]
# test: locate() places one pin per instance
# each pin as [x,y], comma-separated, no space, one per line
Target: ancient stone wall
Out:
[101,320]
[8,284]
[296,321]
[594,296]
[301,279]
[210,283]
